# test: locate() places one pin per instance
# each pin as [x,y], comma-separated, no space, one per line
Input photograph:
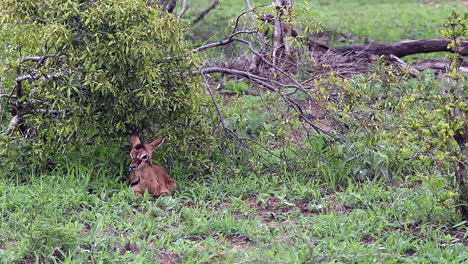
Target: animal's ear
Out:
[134,139]
[158,142]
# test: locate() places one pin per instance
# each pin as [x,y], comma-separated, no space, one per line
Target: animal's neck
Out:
[135,182]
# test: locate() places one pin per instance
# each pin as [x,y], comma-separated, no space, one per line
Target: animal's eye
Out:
[144,157]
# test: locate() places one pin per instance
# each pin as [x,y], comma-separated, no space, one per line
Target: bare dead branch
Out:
[438,65]
[223,42]
[404,48]
[183,10]
[270,19]
[33,77]
[249,10]
[297,86]
[46,111]
[248,6]
[8,96]
[265,82]
[38,58]
[206,11]
[403,66]
[250,76]
[232,133]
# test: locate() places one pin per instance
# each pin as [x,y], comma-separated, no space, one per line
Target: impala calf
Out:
[145,176]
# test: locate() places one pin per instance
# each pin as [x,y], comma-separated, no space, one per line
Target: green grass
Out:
[382,21]
[85,216]
[385,21]
[366,20]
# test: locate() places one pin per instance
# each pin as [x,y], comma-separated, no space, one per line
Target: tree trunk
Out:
[454,89]
[281,34]
[462,173]
[462,179]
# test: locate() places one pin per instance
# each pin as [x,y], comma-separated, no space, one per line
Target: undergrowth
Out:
[79,215]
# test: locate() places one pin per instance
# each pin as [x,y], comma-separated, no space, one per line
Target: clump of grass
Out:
[83,216]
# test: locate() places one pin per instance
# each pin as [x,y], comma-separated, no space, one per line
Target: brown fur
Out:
[145,176]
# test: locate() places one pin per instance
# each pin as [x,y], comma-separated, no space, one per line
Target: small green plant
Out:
[454,90]
[236,87]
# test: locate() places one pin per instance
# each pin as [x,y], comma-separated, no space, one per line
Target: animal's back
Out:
[167,185]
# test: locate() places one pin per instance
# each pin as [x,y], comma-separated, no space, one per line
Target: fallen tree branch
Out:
[402,48]
[403,66]
[438,65]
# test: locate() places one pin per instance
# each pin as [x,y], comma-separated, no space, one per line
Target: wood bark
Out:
[402,48]
[457,88]
[462,173]
[167,5]
[281,34]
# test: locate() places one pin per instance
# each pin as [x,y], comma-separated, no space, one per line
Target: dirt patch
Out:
[7,244]
[238,240]
[458,234]
[27,260]
[304,207]
[268,208]
[58,255]
[410,252]
[133,248]
[168,257]
[335,205]
[86,247]
[188,204]
[368,240]
[222,205]
[197,238]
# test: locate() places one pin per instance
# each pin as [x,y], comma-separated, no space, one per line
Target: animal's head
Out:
[141,153]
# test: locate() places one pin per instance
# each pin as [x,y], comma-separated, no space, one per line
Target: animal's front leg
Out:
[138,191]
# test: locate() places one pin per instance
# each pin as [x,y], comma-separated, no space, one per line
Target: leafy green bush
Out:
[118,65]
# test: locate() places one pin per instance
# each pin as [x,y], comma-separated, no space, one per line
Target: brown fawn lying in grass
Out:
[145,176]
